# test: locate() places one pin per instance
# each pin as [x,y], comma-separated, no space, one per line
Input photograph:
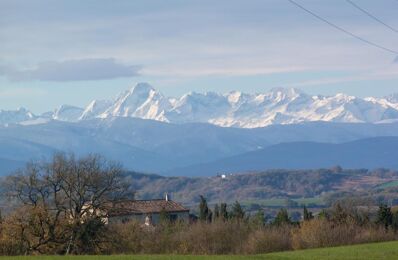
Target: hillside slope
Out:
[157,147]
[257,186]
[365,153]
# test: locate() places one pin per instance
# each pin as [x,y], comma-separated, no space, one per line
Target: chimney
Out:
[166,196]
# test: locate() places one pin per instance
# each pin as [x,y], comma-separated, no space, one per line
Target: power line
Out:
[371,16]
[342,29]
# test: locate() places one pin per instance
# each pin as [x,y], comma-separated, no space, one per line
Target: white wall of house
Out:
[175,216]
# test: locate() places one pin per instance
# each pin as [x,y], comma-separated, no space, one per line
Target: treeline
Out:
[51,216]
[233,232]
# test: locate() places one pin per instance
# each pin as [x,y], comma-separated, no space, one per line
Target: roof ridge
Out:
[148,206]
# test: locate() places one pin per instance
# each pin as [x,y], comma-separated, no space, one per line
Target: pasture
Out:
[385,250]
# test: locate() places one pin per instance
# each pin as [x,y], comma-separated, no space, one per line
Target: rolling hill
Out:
[158,147]
[365,153]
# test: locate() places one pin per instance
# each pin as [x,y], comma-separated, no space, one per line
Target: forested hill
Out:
[262,185]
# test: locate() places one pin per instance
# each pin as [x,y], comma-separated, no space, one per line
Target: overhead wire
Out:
[343,30]
[371,16]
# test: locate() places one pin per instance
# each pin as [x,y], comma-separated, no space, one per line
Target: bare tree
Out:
[65,196]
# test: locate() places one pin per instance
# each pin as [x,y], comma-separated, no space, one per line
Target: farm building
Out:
[146,211]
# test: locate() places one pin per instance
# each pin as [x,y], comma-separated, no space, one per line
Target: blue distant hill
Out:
[156,147]
[366,153]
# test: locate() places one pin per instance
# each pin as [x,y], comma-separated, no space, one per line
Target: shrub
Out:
[127,238]
[269,239]
[218,237]
[324,233]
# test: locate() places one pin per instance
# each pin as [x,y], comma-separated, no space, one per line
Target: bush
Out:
[324,233]
[218,237]
[269,239]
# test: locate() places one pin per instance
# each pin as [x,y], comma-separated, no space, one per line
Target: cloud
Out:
[72,70]
[385,74]
[22,92]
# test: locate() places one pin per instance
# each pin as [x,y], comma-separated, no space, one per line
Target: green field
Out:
[282,202]
[387,185]
[387,250]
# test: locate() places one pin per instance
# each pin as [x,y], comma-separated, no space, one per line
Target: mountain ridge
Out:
[368,153]
[157,147]
[232,109]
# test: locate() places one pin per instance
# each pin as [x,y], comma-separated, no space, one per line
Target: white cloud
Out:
[72,70]
[229,37]
[390,72]
[21,92]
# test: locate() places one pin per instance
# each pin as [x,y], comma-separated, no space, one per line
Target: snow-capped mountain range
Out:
[233,109]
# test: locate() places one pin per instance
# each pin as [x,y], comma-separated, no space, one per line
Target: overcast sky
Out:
[72,51]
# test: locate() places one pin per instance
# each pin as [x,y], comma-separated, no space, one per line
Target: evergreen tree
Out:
[395,221]
[223,211]
[259,218]
[282,218]
[307,215]
[237,211]
[216,212]
[203,209]
[384,216]
[209,216]
[323,214]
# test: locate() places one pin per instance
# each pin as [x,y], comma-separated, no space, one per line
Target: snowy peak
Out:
[286,93]
[233,109]
[15,116]
[95,108]
[393,98]
[237,109]
[142,89]
[67,113]
[234,97]
[141,101]
[197,107]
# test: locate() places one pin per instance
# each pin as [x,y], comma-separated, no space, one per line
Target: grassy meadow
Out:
[387,185]
[385,250]
[276,202]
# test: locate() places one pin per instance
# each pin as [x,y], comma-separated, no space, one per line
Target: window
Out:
[125,220]
[173,217]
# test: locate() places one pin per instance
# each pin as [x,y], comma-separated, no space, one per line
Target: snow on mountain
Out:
[141,101]
[196,107]
[95,108]
[233,109]
[237,109]
[393,98]
[15,116]
[67,113]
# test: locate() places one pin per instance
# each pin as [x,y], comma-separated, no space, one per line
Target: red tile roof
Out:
[130,207]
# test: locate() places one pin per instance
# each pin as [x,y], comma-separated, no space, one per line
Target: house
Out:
[146,211]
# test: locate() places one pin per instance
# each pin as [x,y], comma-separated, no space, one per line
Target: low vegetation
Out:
[51,216]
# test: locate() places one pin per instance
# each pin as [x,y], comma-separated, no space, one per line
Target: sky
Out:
[73,51]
